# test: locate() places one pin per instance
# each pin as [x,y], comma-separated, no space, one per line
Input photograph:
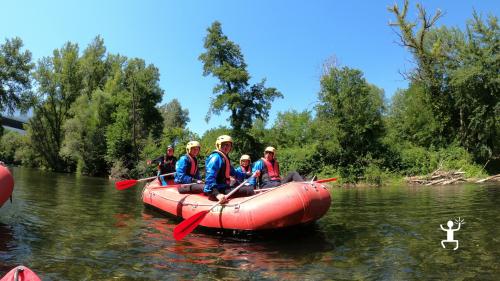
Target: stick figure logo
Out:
[450,232]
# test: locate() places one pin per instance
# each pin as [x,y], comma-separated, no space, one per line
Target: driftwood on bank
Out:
[490,179]
[438,177]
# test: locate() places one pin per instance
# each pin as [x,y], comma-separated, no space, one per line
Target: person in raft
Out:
[244,167]
[186,170]
[219,170]
[166,165]
[269,171]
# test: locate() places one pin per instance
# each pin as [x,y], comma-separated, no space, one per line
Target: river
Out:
[68,227]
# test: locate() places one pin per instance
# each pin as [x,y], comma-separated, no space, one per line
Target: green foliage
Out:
[60,85]
[97,112]
[15,79]
[297,158]
[293,128]
[411,119]
[328,171]
[351,109]
[25,153]
[416,160]
[135,91]
[85,138]
[375,175]
[174,116]
[459,74]
[9,143]
[455,157]
[476,88]
[421,161]
[223,59]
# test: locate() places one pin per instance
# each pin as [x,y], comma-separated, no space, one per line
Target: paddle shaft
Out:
[231,193]
[189,224]
[150,178]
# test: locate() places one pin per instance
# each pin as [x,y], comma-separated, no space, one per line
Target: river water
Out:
[68,227]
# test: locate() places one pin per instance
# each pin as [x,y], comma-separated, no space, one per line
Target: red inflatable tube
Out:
[20,273]
[290,204]
[6,184]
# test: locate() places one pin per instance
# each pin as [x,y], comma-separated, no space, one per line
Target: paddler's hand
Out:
[222,199]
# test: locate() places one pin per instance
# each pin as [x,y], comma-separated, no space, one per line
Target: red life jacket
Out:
[224,173]
[273,171]
[193,165]
[245,169]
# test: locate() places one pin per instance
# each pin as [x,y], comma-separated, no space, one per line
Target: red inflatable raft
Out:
[6,184]
[20,273]
[290,204]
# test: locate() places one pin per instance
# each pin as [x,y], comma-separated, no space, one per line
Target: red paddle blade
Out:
[326,180]
[188,225]
[121,185]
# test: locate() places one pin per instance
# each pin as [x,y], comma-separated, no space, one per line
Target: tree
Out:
[15,77]
[223,59]
[9,143]
[135,91]
[60,84]
[84,141]
[15,83]
[351,109]
[459,74]
[85,133]
[293,128]
[174,116]
[94,68]
[475,88]
[430,61]
[411,119]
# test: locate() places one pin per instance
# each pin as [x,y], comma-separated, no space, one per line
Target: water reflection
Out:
[80,228]
[6,238]
[266,254]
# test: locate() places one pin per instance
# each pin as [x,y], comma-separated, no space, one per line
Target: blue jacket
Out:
[259,165]
[212,166]
[182,171]
[240,169]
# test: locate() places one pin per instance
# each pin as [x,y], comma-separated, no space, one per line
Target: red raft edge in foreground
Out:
[20,273]
[290,204]
[6,184]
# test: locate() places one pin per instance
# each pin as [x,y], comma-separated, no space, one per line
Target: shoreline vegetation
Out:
[97,113]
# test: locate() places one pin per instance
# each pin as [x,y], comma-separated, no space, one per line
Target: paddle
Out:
[121,185]
[326,180]
[189,224]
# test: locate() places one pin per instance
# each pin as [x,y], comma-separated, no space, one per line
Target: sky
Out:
[285,42]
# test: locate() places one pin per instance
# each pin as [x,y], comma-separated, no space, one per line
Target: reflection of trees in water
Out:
[274,254]
[6,238]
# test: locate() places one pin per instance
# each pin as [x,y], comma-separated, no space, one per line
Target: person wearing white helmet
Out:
[219,171]
[268,171]
[186,170]
[245,166]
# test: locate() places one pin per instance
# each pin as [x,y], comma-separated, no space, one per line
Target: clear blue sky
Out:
[283,41]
